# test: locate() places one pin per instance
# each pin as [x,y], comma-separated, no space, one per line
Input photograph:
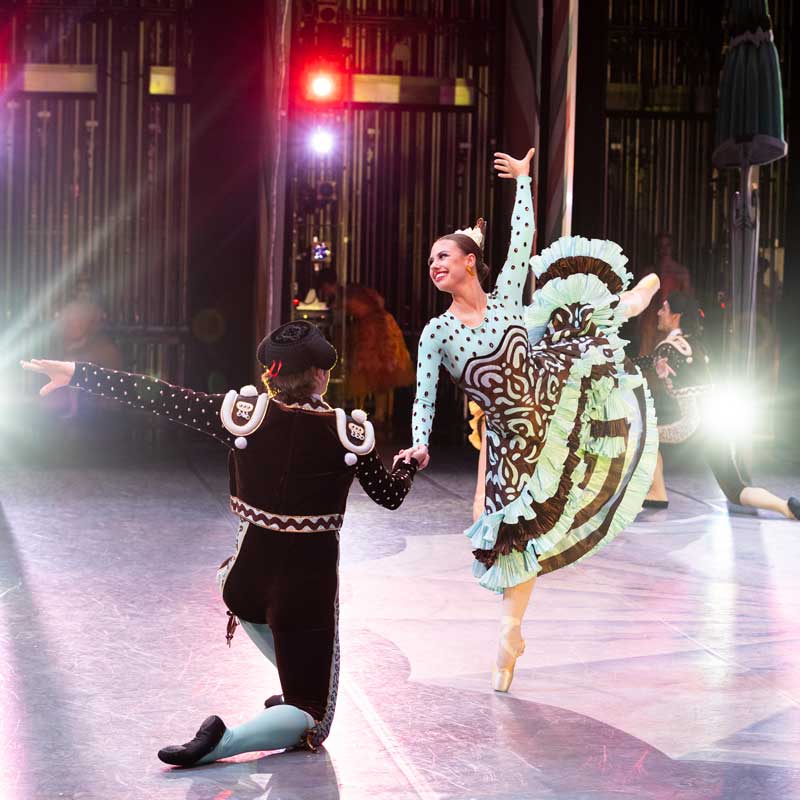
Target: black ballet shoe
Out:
[655,504]
[275,700]
[205,740]
[794,507]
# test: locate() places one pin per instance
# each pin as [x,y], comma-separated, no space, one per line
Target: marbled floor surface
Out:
[666,666]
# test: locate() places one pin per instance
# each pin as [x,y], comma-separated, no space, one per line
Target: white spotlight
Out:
[731,410]
[321,141]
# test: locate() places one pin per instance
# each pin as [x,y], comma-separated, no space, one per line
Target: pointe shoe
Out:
[502,677]
[636,300]
[650,283]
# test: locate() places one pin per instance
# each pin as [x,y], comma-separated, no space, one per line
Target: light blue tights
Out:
[273,728]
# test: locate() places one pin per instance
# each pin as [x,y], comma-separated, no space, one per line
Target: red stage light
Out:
[323,85]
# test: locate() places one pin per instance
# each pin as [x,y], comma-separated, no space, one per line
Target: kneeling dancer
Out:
[292,459]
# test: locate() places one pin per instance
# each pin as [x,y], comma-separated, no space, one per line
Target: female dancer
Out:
[570,437]
[681,363]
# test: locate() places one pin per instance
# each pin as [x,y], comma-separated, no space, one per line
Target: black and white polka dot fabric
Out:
[388,489]
[196,410]
[446,342]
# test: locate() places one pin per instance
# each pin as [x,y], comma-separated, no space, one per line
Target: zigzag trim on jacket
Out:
[286,523]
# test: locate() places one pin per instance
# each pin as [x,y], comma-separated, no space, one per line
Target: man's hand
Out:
[419,452]
[59,372]
[662,368]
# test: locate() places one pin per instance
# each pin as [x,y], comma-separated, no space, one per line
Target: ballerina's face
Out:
[449,265]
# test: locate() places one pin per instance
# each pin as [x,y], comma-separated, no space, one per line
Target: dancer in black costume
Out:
[682,364]
[292,460]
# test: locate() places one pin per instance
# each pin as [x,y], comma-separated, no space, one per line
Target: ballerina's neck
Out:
[470,309]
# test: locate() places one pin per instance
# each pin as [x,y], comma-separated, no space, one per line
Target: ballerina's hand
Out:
[508,167]
[419,452]
[59,372]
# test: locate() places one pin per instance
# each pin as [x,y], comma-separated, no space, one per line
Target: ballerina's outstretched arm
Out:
[511,280]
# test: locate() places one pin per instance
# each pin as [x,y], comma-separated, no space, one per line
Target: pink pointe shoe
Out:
[502,677]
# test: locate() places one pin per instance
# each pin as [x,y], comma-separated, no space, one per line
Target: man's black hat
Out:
[294,347]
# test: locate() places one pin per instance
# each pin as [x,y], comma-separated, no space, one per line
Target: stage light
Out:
[321,141]
[323,85]
[731,410]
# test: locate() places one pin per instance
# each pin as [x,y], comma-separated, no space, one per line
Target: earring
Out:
[470,270]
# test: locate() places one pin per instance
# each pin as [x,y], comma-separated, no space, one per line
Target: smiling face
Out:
[449,266]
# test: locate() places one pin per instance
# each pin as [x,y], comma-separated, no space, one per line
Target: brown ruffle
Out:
[608,427]
[587,265]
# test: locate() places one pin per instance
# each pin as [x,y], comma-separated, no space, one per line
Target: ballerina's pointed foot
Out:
[510,651]
[650,283]
[637,299]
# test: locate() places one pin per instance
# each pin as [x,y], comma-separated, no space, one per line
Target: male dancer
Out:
[292,460]
[682,365]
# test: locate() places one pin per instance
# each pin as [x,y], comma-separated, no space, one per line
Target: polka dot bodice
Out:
[446,342]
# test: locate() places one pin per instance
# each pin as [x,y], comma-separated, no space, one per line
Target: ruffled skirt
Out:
[571,431]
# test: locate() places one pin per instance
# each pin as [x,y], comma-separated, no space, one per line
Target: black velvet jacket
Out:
[294,463]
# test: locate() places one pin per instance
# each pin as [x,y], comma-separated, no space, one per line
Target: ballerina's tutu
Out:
[570,427]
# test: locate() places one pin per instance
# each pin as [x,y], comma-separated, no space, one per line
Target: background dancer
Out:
[682,364]
[292,459]
[570,436]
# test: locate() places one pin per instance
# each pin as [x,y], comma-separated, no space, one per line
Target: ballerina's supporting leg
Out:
[637,299]
[512,645]
[658,489]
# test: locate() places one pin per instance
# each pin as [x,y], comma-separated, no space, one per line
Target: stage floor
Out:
[666,666]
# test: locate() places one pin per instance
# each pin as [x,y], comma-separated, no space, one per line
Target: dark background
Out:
[191,214]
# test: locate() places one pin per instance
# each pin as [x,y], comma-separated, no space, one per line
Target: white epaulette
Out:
[355,433]
[243,412]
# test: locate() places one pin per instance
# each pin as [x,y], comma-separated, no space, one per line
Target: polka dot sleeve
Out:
[511,280]
[388,489]
[196,410]
[429,359]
